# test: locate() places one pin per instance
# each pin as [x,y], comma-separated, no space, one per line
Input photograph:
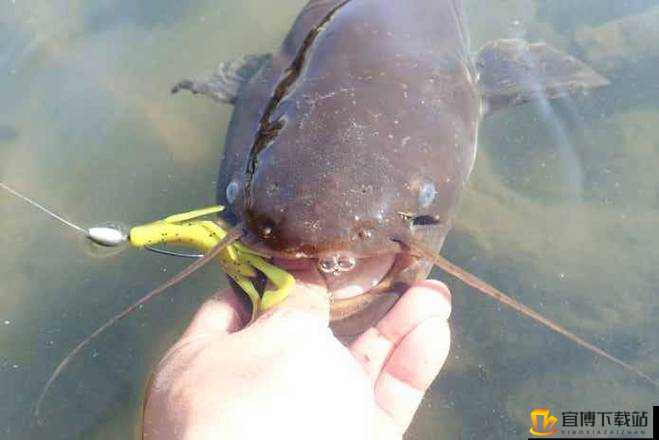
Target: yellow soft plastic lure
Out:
[237,260]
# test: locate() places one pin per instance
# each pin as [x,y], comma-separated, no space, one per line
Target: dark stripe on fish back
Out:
[268,129]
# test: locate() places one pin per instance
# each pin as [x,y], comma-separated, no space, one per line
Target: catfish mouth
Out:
[366,273]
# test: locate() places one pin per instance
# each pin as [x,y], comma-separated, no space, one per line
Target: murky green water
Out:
[562,210]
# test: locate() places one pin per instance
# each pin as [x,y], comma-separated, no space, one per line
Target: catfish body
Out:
[378,127]
[359,134]
[372,136]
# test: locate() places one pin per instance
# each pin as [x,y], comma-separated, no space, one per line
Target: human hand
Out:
[287,377]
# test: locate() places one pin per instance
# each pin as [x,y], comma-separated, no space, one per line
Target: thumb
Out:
[223,313]
[309,298]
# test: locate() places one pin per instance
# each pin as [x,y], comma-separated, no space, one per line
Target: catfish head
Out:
[360,143]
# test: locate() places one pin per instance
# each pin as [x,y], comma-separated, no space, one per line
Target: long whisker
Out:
[233,235]
[489,290]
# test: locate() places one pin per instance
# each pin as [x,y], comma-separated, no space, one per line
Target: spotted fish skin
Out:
[358,135]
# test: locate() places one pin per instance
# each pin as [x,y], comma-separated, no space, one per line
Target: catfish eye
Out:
[265,231]
[365,234]
[264,227]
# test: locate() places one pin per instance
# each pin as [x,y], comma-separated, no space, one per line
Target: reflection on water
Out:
[561,212]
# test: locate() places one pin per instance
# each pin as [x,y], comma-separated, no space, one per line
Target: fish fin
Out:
[513,71]
[225,83]
[481,286]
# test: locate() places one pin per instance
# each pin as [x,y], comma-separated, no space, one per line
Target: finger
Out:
[309,298]
[223,313]
[410,370]
[426,299]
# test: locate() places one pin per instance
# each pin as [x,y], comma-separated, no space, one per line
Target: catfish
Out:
[348,148]
[351,145]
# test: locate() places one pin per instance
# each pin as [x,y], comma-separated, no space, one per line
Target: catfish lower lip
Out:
[367,274]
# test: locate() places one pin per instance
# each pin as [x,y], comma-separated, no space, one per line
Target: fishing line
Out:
[173,253]
[107,235]
[44,209]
